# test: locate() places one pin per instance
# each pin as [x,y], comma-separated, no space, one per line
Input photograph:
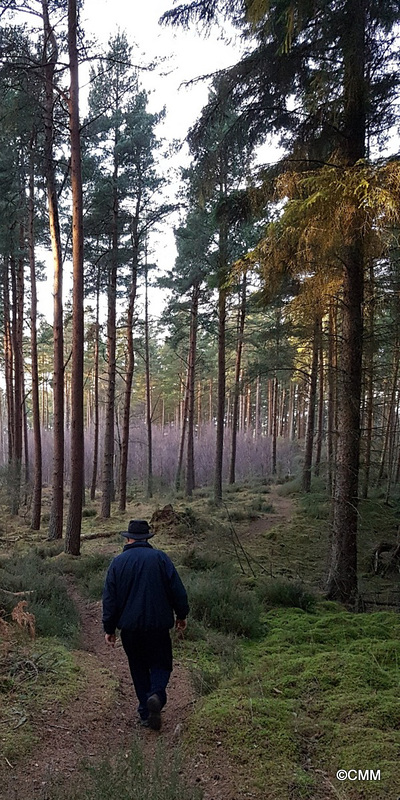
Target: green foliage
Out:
[211,656]
[89,512]
[251,510]
[33,674]
[200,560]
[285,593]
[88,571]
[47,596]
[317,693]
[218,600]
[130,776]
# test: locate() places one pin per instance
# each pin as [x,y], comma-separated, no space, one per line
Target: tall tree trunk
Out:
[369,378]
[392,445]
[321,399]
[9,361]
[96,392]
[342,581]
[190,473]
[148,391]
[311,409]
[257,422]
[37,470]
[17,283]
[184,415]
[274,424]
[74,520]
[332,391]
[270,416]
[130,366]
[390,412]
[108,457]
[236,388]
[222,294]
[291,410]
[50,56]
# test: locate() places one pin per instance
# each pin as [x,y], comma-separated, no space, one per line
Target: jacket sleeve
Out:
[110,610]
[177,591]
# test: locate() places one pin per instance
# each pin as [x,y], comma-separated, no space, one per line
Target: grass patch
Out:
[200,560]
[88,571]
[218,600]
[318,693]
[33,675]
[130,776]
[210,655]
[48,599]
[285,593]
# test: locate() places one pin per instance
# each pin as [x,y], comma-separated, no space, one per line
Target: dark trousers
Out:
[150,662]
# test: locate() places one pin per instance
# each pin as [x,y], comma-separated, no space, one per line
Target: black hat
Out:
[137,529]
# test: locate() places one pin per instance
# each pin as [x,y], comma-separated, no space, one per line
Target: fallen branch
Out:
[17,594]
[102,535]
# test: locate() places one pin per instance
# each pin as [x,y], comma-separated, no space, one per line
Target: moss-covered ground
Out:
[317,693]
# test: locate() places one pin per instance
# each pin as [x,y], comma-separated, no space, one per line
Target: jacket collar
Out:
[136,544]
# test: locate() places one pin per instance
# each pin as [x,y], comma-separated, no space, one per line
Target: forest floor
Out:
[101,720]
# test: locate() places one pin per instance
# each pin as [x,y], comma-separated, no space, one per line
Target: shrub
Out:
[285,593]
[47,596]
[218,601]
[89,512]
[89,573]
[200,561]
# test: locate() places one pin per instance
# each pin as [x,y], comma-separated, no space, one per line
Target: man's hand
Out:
[180,627]
[110,638]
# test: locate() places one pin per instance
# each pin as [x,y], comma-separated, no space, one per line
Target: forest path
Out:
[99,721]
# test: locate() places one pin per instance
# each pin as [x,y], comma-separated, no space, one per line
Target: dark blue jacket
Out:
[142,590]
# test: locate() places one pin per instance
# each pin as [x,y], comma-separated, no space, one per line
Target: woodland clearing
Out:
[257,715]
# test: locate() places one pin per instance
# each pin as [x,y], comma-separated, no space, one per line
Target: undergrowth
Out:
[46,595]
[130,776]
[218,599]
[34,674]
[319,693]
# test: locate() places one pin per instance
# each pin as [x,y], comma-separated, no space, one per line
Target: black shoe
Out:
[154,707]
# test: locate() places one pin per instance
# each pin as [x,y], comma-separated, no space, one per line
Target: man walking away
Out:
[142,592]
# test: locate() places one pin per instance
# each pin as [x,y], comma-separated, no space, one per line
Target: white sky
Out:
[188,55]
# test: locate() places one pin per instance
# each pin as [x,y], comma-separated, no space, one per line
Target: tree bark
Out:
[342,581]
[321,400]
[50,56]
[130,366]
[190,471]
[222,294]
[274,424]
[311,410]
[37,470]
[9,361]
[236,387]
[93,484]
[17,283]
[74,520]
[369,378]
[184,415]
[148,391]
[108,457]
